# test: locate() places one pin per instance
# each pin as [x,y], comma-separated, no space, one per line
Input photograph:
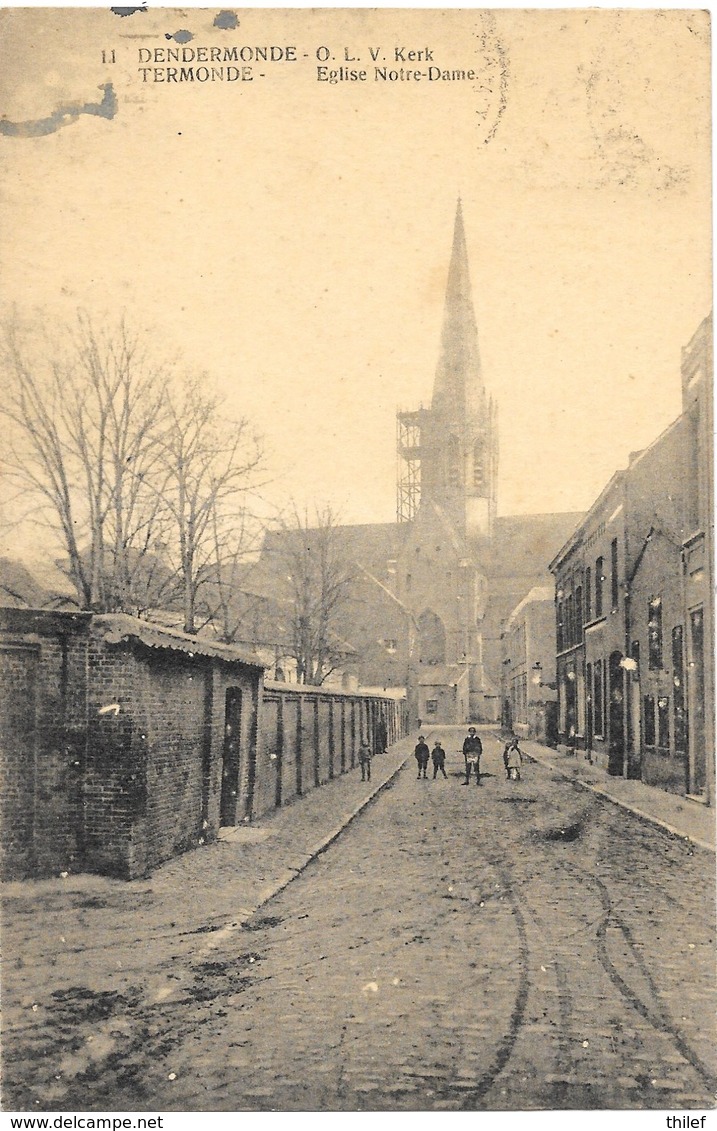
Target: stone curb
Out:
[640,813]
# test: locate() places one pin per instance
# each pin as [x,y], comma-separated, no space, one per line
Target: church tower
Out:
[447,489]
[455,441]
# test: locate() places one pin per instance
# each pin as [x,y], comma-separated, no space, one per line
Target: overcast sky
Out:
[291,237]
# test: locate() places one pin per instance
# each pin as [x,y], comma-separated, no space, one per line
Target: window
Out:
[614,579]
[649,704]
[590,700]
[478,468]
[588,595]
[654,633]
[569,625]
[598,587]
[578,614]
[431,706]
[663,722]
[560,628]
[598,700]
[390,645]
[678,688]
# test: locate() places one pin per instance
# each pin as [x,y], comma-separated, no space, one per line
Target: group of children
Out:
[472,750]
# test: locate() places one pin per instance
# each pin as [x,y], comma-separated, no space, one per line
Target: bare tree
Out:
[318,571]
[85,417]
[208,465]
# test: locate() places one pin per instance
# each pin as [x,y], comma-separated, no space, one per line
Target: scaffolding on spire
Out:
[408,447]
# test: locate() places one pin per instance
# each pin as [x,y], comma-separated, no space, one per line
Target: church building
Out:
[461,569]
[433,590]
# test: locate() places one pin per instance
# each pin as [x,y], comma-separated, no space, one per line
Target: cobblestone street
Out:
[522,945]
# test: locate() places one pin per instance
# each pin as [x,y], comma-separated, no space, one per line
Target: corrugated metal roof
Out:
[116,627]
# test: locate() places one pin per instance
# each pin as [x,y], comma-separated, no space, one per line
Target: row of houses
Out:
[618,662]
[125,743]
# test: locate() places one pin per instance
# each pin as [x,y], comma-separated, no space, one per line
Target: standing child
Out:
[438,757]
[513,760]
[472,750]
[364,757]
[421,755]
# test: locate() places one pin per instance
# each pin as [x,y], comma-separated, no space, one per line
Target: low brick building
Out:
[125,743]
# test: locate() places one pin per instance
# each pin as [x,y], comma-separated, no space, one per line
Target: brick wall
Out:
[119,753]
[310,735]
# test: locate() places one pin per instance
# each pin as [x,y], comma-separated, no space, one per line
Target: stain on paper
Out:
[66,113]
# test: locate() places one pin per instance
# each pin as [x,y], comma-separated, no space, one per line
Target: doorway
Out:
[231,758]
[616,752]
[698,750]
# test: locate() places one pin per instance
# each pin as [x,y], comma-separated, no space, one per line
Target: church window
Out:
[432,637]
[478,465]
[454,462]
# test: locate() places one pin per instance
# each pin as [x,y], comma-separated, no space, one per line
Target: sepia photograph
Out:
[357,652]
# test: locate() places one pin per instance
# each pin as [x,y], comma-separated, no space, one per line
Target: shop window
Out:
[654,633]
[649,717]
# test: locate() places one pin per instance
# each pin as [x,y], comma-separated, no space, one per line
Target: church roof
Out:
[524,545]
[441,675]
[372,544]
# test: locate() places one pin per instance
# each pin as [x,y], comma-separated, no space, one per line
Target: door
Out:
[616,753]
[231,759]
[698,758]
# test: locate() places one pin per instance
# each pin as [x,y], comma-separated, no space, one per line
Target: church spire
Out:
[458,388]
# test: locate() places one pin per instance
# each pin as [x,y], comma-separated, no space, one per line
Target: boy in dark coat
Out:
[472,750]
[421,754]
[438,757]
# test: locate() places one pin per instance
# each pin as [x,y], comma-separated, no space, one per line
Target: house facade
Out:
[634,608]
[529,684]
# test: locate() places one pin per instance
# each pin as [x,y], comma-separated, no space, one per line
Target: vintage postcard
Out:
[356,562]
